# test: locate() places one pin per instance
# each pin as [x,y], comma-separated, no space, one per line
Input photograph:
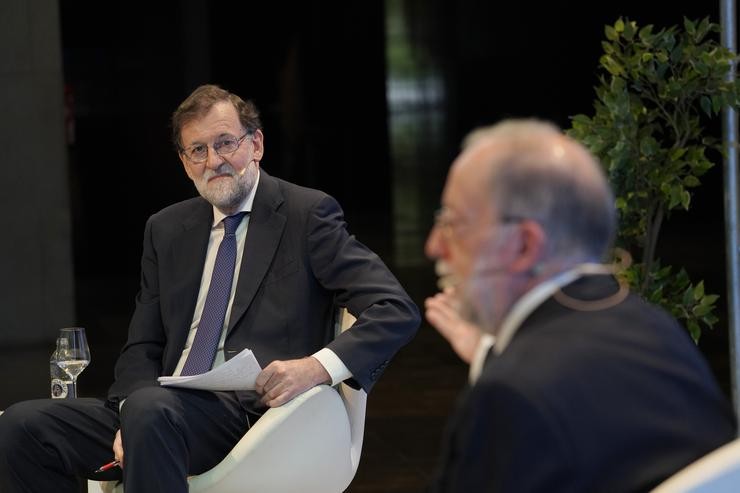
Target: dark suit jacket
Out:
[299,262]
[610,400]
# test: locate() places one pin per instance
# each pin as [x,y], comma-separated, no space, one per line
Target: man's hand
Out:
[118,449]
[443,314]
[280,381]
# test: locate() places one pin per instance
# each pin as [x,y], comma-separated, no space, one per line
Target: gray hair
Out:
[538,173]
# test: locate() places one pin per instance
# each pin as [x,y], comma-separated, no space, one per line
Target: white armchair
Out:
[716,472]
[311,444]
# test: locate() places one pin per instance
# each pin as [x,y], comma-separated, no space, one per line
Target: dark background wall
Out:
[37,288]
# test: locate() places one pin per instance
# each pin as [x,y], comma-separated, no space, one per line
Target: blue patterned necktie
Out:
[205,343]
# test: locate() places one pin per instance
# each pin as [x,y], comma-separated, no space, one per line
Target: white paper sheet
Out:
[238,373]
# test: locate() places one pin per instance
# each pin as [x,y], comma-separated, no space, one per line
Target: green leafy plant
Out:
[656,92]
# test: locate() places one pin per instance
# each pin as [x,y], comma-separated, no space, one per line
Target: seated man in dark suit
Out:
[254,262]
[576,385]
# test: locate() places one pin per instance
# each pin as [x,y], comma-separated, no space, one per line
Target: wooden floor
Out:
[406,412]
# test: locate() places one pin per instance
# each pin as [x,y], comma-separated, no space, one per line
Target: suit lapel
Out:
[266,227]
[191,243]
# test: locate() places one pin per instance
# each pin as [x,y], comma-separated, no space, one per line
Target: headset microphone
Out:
[244,169]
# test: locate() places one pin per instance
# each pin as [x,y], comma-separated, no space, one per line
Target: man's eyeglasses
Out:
[446,223]
[228,144]
[449,225]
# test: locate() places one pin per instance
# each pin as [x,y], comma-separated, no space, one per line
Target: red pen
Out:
[109,465]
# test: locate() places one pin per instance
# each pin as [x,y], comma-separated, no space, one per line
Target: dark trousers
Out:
[168,434]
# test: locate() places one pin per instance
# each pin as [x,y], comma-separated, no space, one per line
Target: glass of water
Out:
[74,353]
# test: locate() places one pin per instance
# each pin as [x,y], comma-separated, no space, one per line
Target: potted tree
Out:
[655,94]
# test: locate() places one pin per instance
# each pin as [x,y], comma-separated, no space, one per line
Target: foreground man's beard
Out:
[448,282]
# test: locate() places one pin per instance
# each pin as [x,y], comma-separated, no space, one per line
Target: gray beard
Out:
[228,194]
[478,305]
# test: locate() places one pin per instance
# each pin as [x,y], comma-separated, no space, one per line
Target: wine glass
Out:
[73,353]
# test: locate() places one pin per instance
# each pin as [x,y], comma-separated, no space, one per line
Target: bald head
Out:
[530,170]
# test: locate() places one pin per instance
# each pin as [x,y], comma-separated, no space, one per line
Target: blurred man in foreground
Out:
[575,384]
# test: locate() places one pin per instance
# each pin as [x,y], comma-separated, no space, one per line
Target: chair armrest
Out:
[317,462]
[716,472]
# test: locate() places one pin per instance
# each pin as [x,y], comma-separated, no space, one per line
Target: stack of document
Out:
[238,373]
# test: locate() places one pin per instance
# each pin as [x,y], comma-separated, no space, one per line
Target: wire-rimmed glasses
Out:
[450,225]
[224,146]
